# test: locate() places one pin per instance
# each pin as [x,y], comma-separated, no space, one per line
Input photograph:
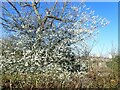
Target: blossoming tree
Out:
[47,35]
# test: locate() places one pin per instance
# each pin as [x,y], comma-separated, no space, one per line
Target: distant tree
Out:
[46,34]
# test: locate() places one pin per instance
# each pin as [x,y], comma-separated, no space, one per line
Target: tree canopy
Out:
[46,34]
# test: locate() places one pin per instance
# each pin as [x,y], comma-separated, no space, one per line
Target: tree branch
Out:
[36,11]
[60,19]
[63,9]
[14,8]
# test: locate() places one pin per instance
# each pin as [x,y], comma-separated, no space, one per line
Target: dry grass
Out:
[92,79]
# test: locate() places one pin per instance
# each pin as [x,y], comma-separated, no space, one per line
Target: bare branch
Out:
[36,11]
[60,19]
[26,5]
[4,19]
[65,4]
[14,8]
[7,27]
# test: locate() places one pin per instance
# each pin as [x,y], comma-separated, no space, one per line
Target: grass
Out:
[113,65]
[90,80]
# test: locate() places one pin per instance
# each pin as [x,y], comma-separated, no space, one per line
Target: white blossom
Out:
[26,63]
[75,8]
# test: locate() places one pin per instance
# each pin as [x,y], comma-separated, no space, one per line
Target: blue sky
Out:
[109,34]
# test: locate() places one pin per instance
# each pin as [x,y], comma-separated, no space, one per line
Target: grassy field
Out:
[93,79]
[113,65]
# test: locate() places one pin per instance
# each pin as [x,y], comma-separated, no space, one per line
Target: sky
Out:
[108,35]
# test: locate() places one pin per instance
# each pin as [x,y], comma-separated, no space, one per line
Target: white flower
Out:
[20,42]
[110,56]
[89,31]
[71,16]
[87,8]
[78,31]
[59,69]
[74,8]
[45,63]
[37,64]
[98,55]
[61,76]
[28,51]
[26,63]
[22,26]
